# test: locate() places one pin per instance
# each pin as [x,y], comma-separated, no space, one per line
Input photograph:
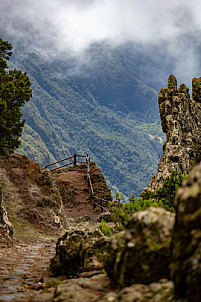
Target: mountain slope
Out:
[100,108]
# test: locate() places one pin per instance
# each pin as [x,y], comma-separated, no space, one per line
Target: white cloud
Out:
[72,25]
[79,23]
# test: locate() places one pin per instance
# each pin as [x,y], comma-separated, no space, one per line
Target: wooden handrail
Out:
[62,166]
[74,162]
[56,162]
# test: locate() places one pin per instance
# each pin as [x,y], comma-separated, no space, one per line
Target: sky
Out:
[54,27]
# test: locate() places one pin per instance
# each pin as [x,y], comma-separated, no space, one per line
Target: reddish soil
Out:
[83,205]
[26,190]
[24,263]
[79,182]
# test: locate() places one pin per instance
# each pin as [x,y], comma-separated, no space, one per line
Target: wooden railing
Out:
[93,196]
[97,201]
[74,162]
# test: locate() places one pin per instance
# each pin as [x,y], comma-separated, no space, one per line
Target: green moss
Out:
[52,283]
[183,89]
[105,228]
[196,89]
[74,252]
[172,82]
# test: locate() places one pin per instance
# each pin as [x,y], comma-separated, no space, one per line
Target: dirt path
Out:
[24,267]
[79,181]
[81,198]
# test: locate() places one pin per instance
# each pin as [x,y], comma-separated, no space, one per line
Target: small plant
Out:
[52,283]
[118,197]
[122,211]
[105,228]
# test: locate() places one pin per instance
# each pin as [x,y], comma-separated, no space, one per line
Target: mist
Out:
[56,28]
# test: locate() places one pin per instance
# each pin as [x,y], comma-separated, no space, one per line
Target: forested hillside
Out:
[100,108]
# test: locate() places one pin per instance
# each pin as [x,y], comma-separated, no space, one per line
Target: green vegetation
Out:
[102,109]
[153,129]
[14,92]
[167,192]
[52,283]
[61,121]
[105,228]
[164,197]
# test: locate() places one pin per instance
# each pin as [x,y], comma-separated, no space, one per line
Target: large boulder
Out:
[140,253]
[77,251]
[186,241]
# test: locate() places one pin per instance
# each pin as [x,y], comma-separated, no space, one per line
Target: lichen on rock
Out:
[180,120]
[186,241]
[76,251]
[140,253]
[172,82]
[196,89]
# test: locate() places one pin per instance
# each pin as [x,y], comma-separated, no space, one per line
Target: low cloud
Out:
[55,27]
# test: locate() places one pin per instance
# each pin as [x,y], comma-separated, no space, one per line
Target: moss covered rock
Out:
[196,89]
[77,251]
[186,240]
[140,253]
[180,120]
[172,82]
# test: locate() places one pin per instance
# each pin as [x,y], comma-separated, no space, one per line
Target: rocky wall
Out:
[180,120]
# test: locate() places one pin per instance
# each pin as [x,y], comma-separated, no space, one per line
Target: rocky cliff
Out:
[30,198]
[186,240]
[6,228]
[180,120]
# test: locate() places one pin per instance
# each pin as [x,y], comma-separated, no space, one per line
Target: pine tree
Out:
[14,92]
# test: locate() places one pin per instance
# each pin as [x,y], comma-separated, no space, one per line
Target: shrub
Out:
[105,228]
[163,197]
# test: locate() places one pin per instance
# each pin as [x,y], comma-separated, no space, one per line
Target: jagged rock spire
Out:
[196,89]
[172,82]
[181,121]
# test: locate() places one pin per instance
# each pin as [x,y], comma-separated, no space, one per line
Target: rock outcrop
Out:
[30,197]
[94,290]
[133,259]
[76,252]
[5,224]
[186,239]
[180,120]
[140,253]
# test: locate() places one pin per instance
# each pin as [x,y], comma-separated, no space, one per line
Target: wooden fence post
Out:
[74,159]
[101,204]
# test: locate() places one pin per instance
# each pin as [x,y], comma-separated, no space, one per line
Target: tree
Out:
[14,92]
